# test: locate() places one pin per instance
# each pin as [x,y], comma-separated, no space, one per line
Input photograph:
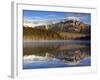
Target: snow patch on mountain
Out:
[73,18]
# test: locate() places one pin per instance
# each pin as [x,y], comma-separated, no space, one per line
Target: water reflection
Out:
[55,54]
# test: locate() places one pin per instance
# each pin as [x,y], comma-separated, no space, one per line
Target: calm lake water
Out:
[56,54]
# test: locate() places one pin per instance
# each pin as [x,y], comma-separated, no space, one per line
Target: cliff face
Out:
[67,26]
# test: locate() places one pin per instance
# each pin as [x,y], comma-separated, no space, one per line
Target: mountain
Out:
[70,25]
[63,30]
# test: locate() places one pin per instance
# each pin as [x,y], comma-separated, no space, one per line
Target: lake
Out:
[56,53]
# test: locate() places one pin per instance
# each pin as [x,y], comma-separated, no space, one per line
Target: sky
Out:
[36,17]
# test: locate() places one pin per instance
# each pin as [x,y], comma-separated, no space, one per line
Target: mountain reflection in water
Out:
[53,54]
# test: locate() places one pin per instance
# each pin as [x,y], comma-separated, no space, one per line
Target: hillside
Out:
[39,34]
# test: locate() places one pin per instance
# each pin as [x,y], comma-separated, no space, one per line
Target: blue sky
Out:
[40,16]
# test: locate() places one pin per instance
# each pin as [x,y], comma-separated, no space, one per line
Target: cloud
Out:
[34,21]
[51,17]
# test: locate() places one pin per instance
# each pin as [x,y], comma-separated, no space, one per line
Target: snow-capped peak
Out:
[73,18]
